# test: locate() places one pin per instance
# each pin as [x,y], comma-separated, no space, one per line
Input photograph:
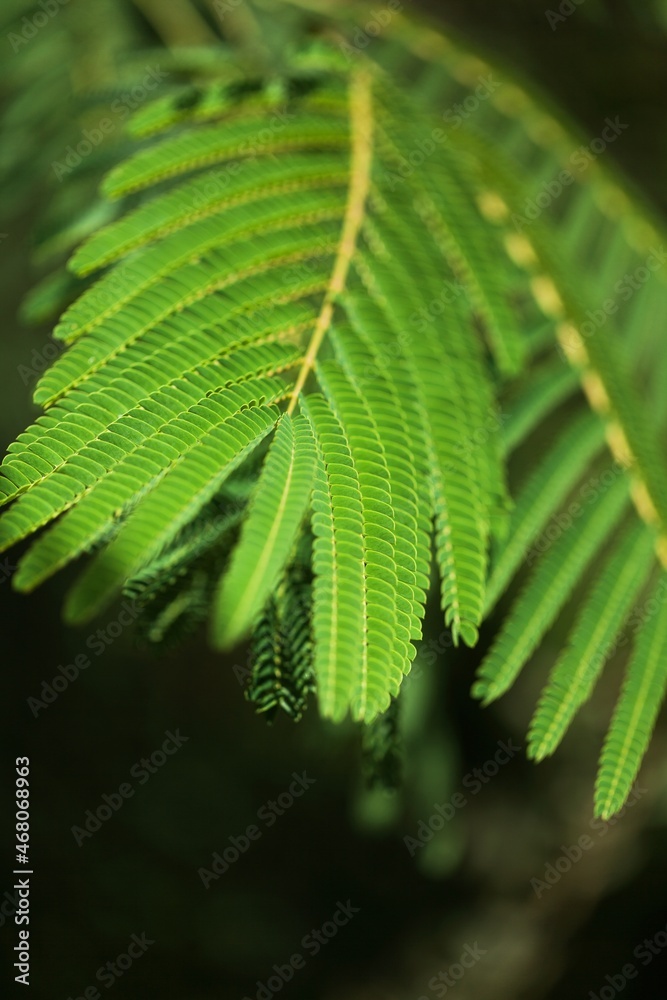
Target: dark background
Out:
[139,872]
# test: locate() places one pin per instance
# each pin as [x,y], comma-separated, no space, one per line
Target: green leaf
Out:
[220,436]
[276,510]
[547,590]
[637,708]
[594,638]
[540,497]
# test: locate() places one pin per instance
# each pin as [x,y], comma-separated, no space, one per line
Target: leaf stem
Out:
[361,125]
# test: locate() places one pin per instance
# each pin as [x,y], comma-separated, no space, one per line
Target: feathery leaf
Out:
[276,510]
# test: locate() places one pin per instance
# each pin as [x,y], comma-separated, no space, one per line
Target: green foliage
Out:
[637,709]
[282,670]
[175,590]
[593,639]
[270,531]
[547,590]
[383,750]
[320,312]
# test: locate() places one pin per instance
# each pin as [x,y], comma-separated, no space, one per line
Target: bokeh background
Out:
[418,908]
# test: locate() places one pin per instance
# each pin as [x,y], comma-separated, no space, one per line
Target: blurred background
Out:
[464,882]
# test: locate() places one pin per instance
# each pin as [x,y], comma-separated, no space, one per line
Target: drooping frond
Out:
[176,431]
[221,143]
[206,535]
[282,670]
[637,709]
[547,591]
[340,588]
[211,449]
[276,511]
[281,180]
[456,471]
[387,437]
[175,590]
[541,497]
[594,638]
[319,304]
[383,750]
[545,390]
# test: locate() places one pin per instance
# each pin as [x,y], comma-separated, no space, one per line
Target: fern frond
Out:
[636,711]
[461,516]
[192,546]
[383,751]
[369,356]
[62,465]
[339,594]
[209,195]
[600,362]
[292,274]
[216,144]
[354,349]
[548,589]
[142,312]
[540,498]
[220,436]
[282,672]
[546,389]
[387,627]
[593,639]
[175,429]
[276,511]
[445,201]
